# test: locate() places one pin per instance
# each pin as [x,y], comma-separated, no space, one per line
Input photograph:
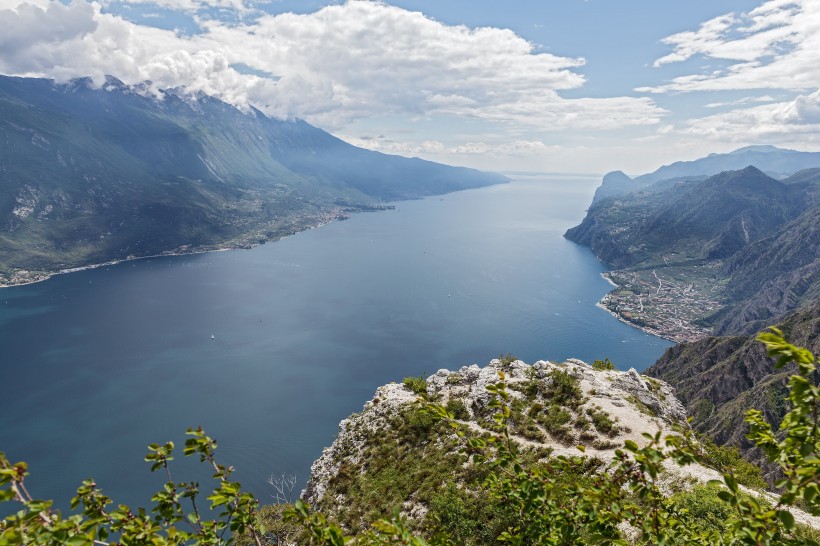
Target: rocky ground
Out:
[389,453]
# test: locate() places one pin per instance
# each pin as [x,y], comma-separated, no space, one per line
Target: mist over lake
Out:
[269,348]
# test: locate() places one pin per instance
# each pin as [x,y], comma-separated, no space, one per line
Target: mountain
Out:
[89,175]
[776,162]
[719,378]
[727,254]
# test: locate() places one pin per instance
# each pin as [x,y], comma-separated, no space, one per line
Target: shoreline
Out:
[48,275]
[644,329]
[44,276]
[607,278]
[335,214]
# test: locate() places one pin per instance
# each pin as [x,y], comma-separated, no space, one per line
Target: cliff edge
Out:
[394,455]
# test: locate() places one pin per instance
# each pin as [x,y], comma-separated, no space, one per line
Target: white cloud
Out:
[706,40]
[29,25]
[797,120]
[776,45]
[744,100]
[194,6]
[515,148]
[344,62]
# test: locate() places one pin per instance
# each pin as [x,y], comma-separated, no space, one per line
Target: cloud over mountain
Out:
[795,119]
[340,63]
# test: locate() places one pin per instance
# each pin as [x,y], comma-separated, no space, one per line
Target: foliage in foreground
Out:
[621,505]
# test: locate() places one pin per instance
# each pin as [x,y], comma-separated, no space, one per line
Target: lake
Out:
[99,363]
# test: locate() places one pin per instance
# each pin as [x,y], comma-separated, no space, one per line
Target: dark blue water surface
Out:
[97,364]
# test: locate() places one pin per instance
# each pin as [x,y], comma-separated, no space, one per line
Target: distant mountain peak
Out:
[617,175]
[779,163]
[759,148]
[112,83]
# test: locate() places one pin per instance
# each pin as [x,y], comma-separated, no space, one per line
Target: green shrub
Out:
[704,509]
[603,422]
[603,365]
[457,408]
[564,389]
[416,384]
[507,359]
[728,459]
[554,418]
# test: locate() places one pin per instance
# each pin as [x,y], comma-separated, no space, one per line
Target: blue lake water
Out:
[99,363]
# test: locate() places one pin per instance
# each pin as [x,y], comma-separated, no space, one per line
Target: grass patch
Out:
[603,422]
[457,408]
[643,408]
[564,389]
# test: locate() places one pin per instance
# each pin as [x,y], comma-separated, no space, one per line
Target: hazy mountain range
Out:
[775,162]
[89,175]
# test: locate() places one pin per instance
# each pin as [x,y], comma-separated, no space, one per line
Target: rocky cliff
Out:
[393,455]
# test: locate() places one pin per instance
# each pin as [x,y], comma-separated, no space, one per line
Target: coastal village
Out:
[665,301]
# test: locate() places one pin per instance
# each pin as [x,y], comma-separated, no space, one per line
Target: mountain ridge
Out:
[91,175]
[725,255]
[776,162]
[718,378]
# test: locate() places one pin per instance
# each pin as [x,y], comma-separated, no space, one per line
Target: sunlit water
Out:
[98,364]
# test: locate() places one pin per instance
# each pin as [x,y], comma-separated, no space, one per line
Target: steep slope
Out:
[775,274]
[91,174]
[719,378]
[728,254]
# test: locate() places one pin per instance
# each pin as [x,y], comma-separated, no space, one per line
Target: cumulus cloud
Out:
[794,120]
[29,25]
[342,63]
[776,45]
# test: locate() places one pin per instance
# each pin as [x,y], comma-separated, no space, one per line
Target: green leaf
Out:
[786,518]
[726,496]
[731,483]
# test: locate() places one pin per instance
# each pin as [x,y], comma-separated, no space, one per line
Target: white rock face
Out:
[635,404]
[353,432]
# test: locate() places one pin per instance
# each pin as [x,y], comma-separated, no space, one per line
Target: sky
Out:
[569,86]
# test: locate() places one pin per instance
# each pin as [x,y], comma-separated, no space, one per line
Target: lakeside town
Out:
[665,301]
